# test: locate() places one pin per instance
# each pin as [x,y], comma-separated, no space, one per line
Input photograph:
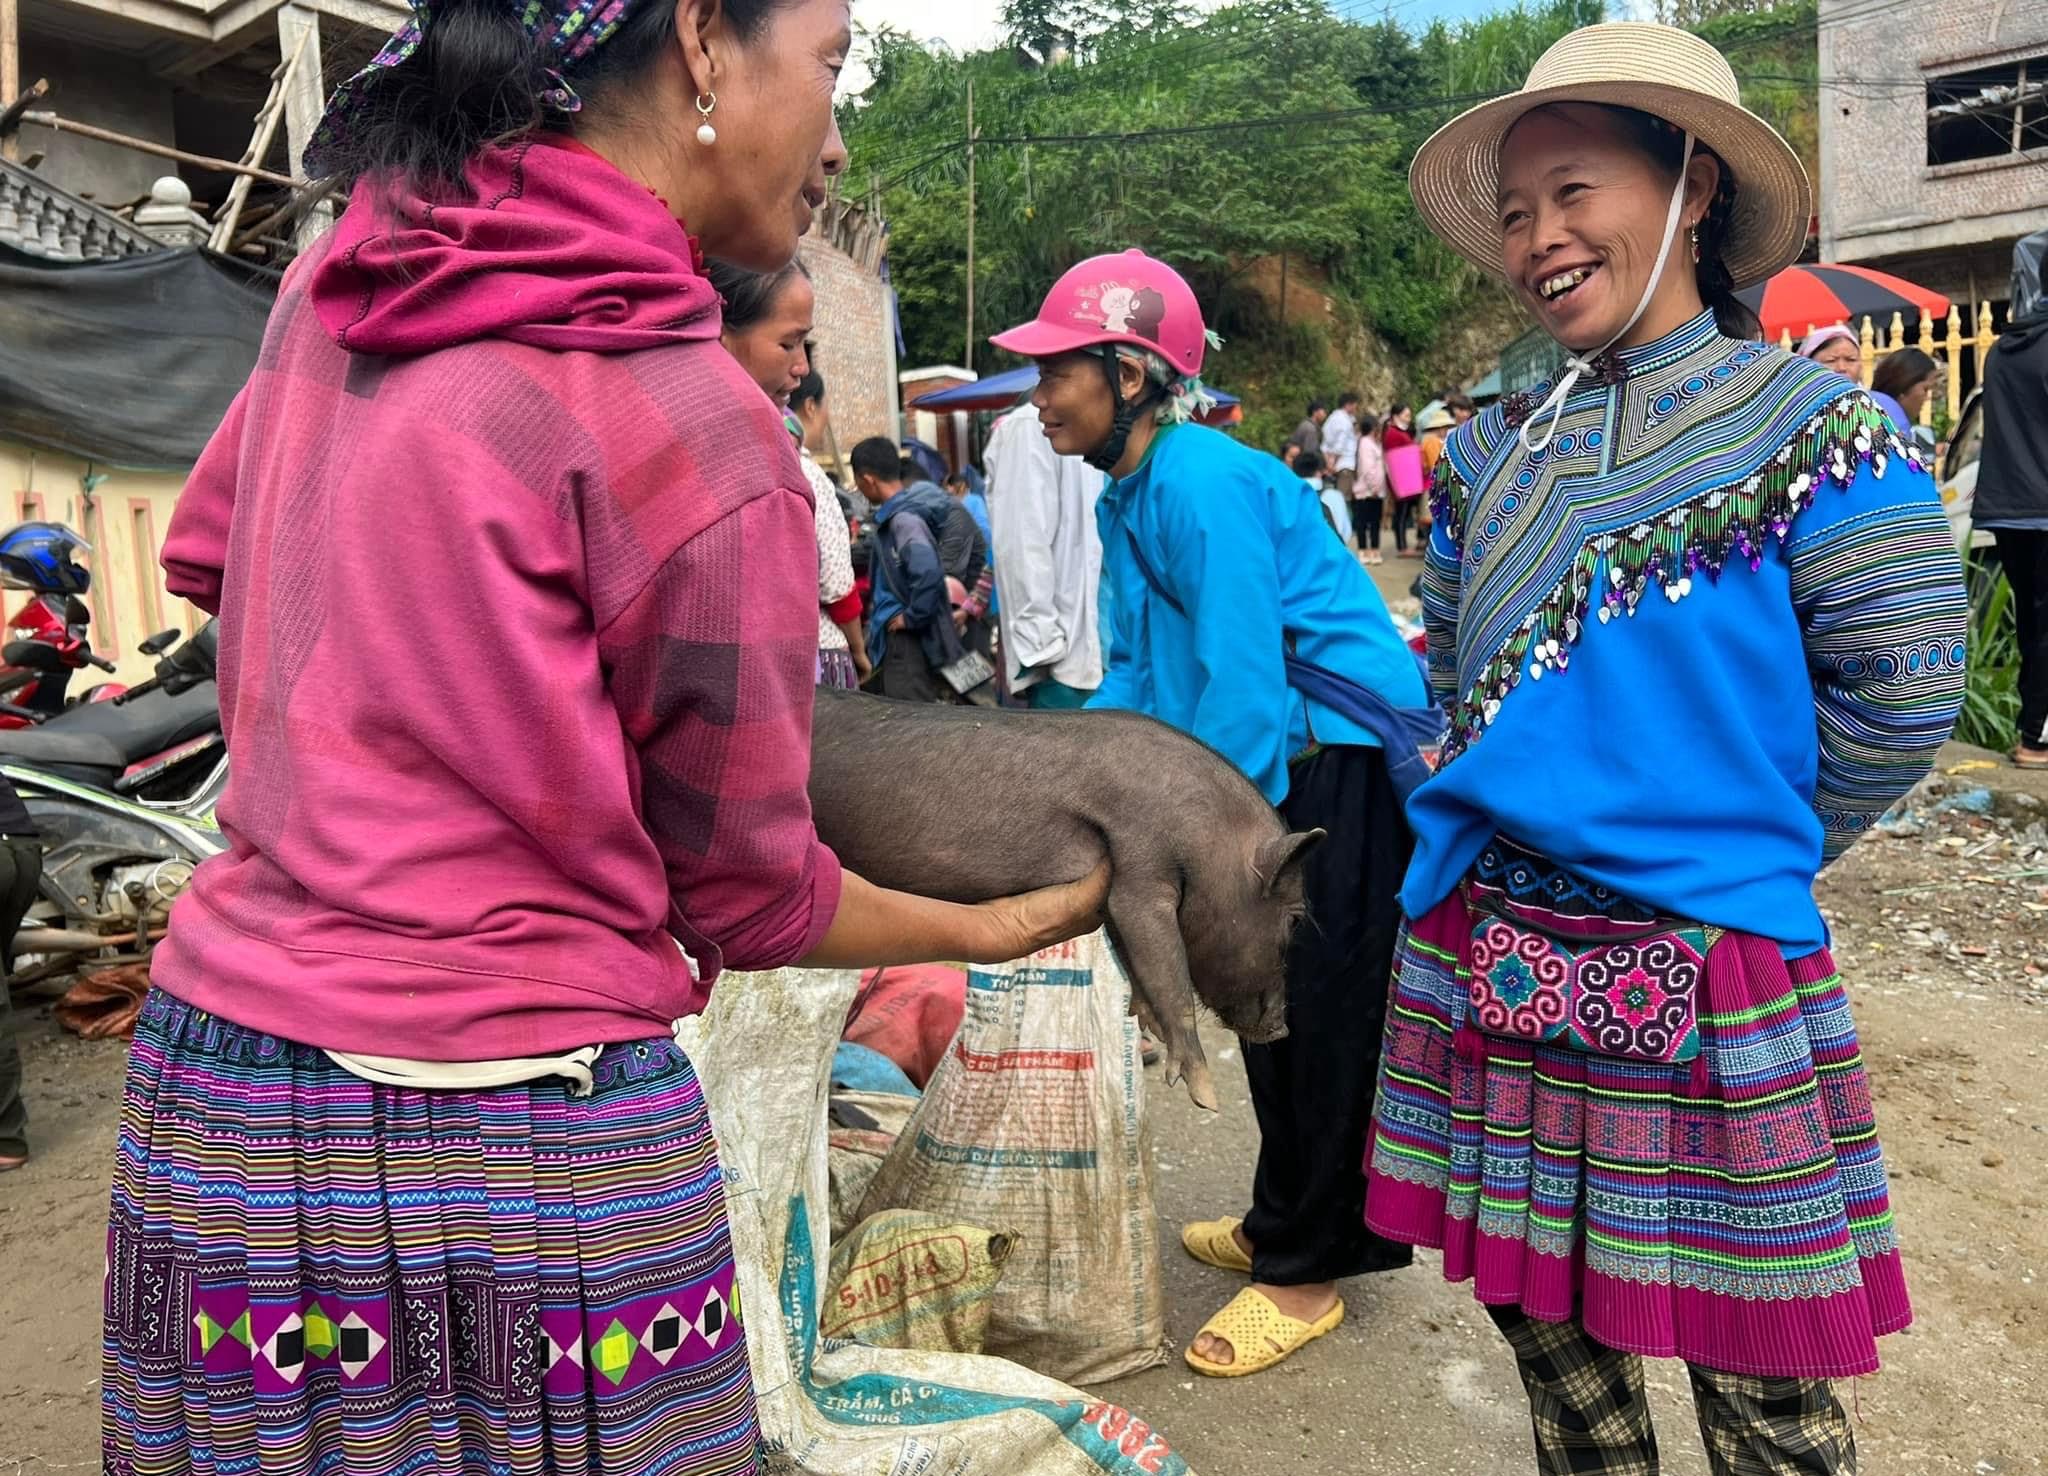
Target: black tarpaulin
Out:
[131,363]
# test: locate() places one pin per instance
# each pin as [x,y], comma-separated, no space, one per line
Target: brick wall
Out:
[855,344]
[1879,199]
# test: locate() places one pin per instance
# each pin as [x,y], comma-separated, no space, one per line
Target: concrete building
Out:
[1933,138]
[189,75]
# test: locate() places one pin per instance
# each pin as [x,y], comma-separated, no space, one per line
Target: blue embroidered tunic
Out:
[1693,647]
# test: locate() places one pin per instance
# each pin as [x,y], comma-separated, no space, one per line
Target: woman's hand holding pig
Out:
[1049,915]
[877,926]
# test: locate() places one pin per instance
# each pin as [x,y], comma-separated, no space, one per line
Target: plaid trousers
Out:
[1586,1404]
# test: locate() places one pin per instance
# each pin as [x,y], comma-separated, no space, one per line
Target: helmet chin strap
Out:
[1105,457]
[1577,366]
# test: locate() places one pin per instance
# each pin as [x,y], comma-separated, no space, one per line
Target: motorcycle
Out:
[122,793]
[38,557]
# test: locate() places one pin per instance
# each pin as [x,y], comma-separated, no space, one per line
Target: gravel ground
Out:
[1943,931]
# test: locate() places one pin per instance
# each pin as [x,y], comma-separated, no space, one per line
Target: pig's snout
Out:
[1272,1024]
[1260,1019]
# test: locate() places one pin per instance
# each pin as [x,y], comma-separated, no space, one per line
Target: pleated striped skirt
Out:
[312,1273]
[1732,1212]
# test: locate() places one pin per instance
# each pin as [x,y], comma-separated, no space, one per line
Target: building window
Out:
[1988,112]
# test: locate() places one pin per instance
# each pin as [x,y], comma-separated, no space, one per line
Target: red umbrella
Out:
[1802,298]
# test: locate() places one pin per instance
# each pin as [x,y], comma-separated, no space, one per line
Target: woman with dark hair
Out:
[1902,384]
[412,1177]
[766,323]
[1670,600]
[768,330]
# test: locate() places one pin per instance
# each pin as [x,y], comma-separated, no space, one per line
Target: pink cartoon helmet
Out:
[1129,298]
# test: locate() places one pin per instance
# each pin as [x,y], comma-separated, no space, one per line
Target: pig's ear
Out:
[1283,853]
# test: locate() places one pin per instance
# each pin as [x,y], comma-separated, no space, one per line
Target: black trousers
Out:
[1365,517]
[905,675]
[2024,552]
[1404,519]
[21,869]
[1313,1090]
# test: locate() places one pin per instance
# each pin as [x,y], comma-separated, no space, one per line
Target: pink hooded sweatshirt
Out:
[517,581]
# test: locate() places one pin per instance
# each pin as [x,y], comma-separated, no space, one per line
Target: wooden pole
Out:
[969,359]
[304,99]
[10,69]
[266,129]
[12,114]
[162,151]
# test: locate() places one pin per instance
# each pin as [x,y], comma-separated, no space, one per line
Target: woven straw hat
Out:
[1659,70]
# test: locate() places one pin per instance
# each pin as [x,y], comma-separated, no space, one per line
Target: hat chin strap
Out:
[1105,457]
[1577,366]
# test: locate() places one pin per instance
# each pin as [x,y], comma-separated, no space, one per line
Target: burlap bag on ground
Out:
[764,1054]
[1035,1122]
[903,1279]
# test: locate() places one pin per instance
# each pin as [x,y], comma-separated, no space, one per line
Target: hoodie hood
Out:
[555,248]
[926,500]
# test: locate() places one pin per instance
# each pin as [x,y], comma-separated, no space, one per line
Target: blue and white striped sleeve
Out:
[1442,573]
[1879,592]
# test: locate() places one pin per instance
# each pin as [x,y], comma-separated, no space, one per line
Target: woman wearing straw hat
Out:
[1697,619]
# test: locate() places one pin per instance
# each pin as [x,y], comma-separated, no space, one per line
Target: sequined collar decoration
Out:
[1613,508]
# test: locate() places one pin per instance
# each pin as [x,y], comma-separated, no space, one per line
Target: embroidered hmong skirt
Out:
[1731,1211]
[308,1272]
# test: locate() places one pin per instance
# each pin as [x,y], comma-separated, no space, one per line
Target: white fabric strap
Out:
[1577,367]
[472,1076]
[476,1076]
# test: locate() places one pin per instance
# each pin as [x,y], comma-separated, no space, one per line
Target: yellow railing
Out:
[1946,349]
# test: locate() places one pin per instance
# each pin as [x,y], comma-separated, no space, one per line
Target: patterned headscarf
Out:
[572,28]
[1186,398]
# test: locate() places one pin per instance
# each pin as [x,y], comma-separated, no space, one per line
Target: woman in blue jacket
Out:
[1227,596]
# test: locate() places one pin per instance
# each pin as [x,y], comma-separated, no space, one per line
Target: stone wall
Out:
[1879,198]
[856,344]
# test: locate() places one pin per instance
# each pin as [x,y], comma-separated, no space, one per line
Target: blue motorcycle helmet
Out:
[37,556]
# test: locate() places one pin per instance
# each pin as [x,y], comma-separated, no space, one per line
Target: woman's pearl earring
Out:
[706,134]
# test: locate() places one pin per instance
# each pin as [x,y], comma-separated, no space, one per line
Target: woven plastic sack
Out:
[902,1279]
[763,1052]
[1035,1122]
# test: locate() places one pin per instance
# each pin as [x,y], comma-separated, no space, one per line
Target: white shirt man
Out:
[1340,443]
[1048,561]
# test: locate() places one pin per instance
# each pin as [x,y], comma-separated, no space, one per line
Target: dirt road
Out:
[1945,942]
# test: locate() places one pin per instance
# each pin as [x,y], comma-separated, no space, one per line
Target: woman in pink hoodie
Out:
[516,582]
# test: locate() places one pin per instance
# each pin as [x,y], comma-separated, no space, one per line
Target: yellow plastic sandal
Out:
[1259,1333]
[1211,1243]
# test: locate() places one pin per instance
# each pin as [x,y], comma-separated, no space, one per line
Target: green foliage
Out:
[1773,49]
[1263,129]
[1276,372]
[1991,702]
